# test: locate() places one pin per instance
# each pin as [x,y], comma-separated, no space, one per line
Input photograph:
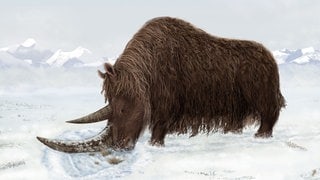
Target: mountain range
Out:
[28,54]
[298,56]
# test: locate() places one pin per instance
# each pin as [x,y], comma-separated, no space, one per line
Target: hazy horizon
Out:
[104,27]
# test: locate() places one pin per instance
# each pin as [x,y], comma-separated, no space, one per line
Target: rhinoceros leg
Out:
[269,114]
[158,134]
[266,126]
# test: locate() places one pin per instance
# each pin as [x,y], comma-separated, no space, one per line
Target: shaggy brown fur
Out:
[189,81]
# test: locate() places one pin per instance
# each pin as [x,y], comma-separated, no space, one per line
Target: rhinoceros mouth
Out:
[99,142]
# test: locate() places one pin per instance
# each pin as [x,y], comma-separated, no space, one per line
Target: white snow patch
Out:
[280,56]
[29,43]
[59,58]
[308,50]
[302,60]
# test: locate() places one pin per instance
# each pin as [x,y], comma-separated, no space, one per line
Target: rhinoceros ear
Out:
[109,69]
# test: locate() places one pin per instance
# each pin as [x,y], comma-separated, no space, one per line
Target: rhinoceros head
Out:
[125,115]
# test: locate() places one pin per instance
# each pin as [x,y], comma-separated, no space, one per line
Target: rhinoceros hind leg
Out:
[268,120]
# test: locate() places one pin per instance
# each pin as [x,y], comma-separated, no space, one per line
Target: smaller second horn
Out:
[100,115]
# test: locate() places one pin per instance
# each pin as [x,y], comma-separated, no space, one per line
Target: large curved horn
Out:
[100,115]
[101,141]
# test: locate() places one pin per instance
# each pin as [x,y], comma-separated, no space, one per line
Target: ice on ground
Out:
[293,152]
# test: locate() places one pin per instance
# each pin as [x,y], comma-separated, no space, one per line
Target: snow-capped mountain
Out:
[67,59]
[299,56]
[28,53]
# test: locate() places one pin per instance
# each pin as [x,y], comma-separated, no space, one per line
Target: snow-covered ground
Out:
[37,101]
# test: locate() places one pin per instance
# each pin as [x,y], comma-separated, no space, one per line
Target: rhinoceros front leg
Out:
[158,134]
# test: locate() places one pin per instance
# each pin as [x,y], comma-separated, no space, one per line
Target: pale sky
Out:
[105,26]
